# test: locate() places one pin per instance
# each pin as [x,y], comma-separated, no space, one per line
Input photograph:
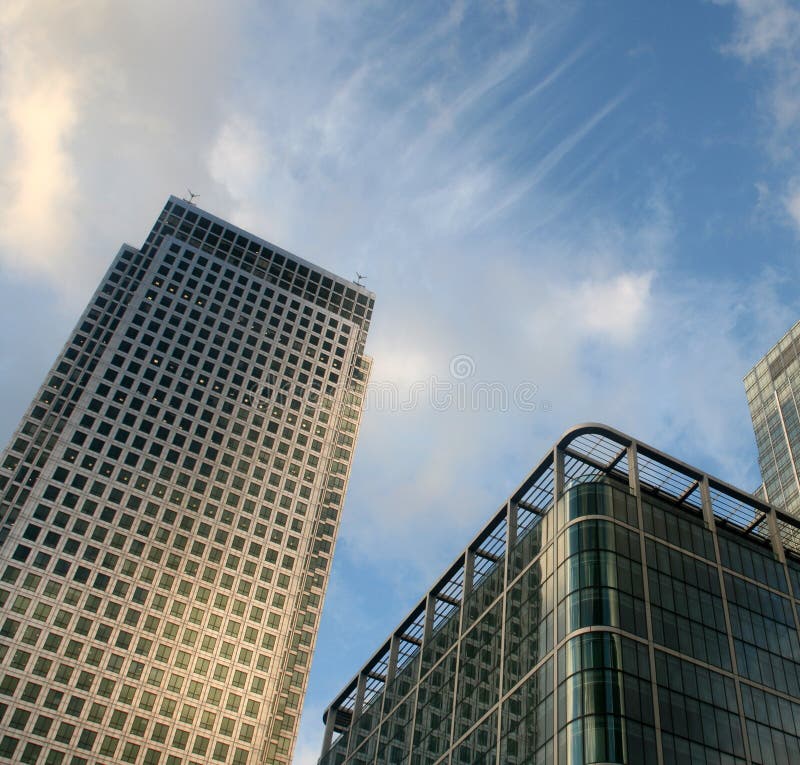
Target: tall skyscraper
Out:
[773,395]
[170,502]
[620,606]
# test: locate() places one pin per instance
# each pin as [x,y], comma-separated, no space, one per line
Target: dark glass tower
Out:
[170,501]
[620,607]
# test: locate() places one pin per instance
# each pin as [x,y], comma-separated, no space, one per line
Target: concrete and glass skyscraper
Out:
[170,502]
[773,395]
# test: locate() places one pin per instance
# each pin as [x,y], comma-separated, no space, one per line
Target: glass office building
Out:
[170,501]
[620,607]
[773,395]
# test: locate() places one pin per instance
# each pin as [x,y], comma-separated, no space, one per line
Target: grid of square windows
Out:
[164,568]
[772,395]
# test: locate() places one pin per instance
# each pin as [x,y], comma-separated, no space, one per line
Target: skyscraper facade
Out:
[170,501]
[620,607]
[773,395]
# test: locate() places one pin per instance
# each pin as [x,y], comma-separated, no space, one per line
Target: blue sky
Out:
[596,202]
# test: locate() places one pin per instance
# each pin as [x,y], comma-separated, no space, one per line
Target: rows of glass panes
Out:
[606,692]
[175,614]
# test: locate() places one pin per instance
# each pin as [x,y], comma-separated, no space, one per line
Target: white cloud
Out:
[238,159]
[793,207]
[616,309]
[37,196]
[94,101]
[764,27]
[41,177]
[401,366]
[768,33]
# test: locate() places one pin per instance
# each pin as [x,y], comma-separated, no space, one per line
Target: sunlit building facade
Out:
[170,501]
[620,607]
[773,395]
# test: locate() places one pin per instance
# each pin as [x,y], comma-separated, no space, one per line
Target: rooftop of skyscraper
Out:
[176,485]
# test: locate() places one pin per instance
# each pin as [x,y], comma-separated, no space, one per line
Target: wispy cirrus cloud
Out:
[767,34]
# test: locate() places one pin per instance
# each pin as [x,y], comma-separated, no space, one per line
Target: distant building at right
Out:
[773,395]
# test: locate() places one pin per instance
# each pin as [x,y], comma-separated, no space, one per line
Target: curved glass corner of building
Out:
[604,694]
[603,628]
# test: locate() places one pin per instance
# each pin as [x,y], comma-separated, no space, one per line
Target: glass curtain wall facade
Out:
[773,395]
[620,607]
[170,501]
